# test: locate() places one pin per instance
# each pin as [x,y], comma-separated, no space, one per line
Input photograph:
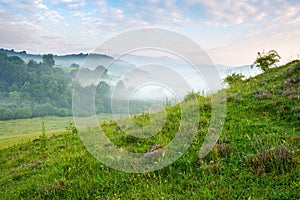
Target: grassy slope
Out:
[257,156]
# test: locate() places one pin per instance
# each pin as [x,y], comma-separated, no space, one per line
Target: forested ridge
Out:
[37,89]
[33,89]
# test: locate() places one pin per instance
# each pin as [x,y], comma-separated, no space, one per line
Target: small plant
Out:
[191,95]
[278,159]
[265,60]
[233,78]
[142,119]
[220,151]
[263,94]
[43,137]
[71,127]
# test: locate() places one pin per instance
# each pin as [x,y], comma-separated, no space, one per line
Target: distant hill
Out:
[118,67]
[64,60]
[125,63]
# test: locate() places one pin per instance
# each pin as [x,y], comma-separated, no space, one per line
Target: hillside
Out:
[256,157]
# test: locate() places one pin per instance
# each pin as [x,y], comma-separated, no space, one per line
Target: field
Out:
[256,156]
[13,132]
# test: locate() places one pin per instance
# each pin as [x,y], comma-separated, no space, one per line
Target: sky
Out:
[230,31]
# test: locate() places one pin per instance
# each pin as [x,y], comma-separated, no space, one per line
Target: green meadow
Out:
[256,156]
[23,130]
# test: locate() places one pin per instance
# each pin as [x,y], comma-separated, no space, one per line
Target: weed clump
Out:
[221,150]
[279,159]
[295,69]
[71,127]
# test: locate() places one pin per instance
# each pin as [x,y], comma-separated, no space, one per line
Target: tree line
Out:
[37,89]
[33,89]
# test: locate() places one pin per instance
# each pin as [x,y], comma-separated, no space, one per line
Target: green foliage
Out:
[102,71]
[15,112]
[142,119]
[102,98]
[279,158]
[192,95]
[48,60]
[234,78]
[74,65]
[25,88]
[12,72]
[265,60]
[71,127]
[39,89]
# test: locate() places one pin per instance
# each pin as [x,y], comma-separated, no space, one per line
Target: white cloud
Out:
[101,2]
[23,35]
[45,14]
[70,4]
[30,11]
[230,13]
[170,3]
[65,1]
[78,14]
[76,5]
[243,11]
[107,18]
[260,16]
[68,1]
[260,24]
[54,15]
[23,22]
[153,1]
[116,13]
[281,34]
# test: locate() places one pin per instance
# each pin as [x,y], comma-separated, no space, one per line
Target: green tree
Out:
[101,71]
[13,70]
[32,64]
[233,78]
[103,88]
[48,60]
[75,65]
[15,96]
[33,89]
[102,98]
[265,60]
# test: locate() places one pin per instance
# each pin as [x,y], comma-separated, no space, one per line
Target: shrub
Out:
[278,159]
[15,112]
[48,109]
[71,127]
[233,78]
[265,60]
